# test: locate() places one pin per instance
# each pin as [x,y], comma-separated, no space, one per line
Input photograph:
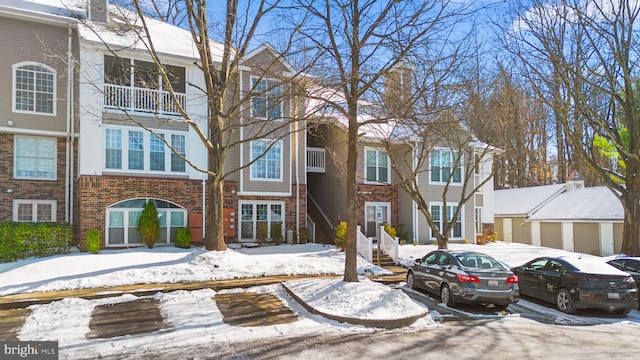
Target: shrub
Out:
[390,230]
[262,233]
[183,238]
[149,224]
[304,235]
[341,235]
[494,236]
[276,232]
[23,240]
[93,241]
[403,232]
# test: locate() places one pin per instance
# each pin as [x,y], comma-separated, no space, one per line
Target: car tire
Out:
[411,280]
[564,302]
[499,308]
[446,297]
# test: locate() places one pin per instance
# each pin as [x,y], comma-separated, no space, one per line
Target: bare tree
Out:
[592,49]
[219,61]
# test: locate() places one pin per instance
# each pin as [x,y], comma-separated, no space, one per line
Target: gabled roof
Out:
[524,201]
[586,204]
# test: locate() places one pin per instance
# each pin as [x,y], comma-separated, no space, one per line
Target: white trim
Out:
[264,193]
[15,158]
[567,236]
[34,210]
[15,67]
[376,204]
[378,151]
[272,142]
[607,246]
[452,183]
[475,210]
[18,131]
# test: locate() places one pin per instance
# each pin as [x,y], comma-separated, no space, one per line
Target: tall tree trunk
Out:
[631,228]
[214,239]
[350,266]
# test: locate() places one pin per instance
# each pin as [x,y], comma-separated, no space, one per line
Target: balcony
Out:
[142,100]
[315,160]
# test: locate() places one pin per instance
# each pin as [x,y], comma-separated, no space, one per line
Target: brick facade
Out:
[378,193]
[25,189]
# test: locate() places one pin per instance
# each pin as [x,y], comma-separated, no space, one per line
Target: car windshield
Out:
[478,261]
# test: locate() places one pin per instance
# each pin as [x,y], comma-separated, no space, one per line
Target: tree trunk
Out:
[214,238]
[631,228]
[351,256]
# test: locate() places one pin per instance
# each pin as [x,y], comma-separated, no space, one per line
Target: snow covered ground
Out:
[193,315]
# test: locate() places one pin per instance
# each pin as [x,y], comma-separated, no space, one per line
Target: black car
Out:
[464,277]
[629,264]
[577,283]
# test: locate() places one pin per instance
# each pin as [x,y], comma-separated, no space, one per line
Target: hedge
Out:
[23,240]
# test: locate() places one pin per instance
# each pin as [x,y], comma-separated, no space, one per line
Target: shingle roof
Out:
[592,203]
[522,201]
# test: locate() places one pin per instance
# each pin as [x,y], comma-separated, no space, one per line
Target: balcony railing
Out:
[315,160]
[142,100]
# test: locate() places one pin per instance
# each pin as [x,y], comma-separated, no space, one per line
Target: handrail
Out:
[142,99]
[389,245]
[365,248]
[326,224]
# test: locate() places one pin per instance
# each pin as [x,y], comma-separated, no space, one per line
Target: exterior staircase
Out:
[399,273]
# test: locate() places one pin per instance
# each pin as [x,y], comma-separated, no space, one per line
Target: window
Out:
[178,144]
[35,158]
[268,165]
[478,220]
[376,166]
[34,210]
[258,218]
[142,151]
[442,162]
[437,212]
[35,88]
[123,217]
[266,103]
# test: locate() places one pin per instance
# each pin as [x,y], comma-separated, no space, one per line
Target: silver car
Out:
[464,277]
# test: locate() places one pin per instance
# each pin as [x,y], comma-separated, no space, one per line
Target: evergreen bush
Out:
[341,235]
[262,233]
[276,232]
[149,224]
[183,238]
[93,241]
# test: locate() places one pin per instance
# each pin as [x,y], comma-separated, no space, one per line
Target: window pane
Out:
[259,100]
[34,89]
[136,150]
[116,218]
[259,167]
[35,157]
[134,217]
[177,219]
[113,149]
[25,212]
[116,236]
[435,165]
[44,212]
[177,163]
[156,156]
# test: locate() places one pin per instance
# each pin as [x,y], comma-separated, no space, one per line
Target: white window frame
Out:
[270,143]
[253,203]
[126,210]
[54,155]
[34,209]
[477,220]
[450,215]
[270,84]
[378,151]
[124,151]
[443,180]
[15,68]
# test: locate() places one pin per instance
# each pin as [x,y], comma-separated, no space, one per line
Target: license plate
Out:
[493,283]
[614,296]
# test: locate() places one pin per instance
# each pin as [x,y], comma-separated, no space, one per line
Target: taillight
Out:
[512,279]
[468,278]
[584,278]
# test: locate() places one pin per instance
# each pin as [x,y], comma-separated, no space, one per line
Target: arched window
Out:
[34,88]
[122,221]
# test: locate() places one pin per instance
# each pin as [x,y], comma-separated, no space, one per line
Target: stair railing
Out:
[365,246]
[389,245]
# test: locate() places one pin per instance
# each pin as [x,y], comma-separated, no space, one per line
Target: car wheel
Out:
[564,302]
[445,296]
[500,307]
[411,280]
[622,312]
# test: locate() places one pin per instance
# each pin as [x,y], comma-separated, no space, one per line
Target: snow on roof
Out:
[592,203]
[522,201]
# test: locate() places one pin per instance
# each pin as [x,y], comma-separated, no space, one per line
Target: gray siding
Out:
[551,235]
[23,41]
[586,238]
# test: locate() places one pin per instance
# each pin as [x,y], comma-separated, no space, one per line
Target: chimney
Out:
[97,10]
[398,90]
[575,181]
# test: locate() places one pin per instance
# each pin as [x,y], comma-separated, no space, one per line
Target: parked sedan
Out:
[464,277]
[577,283]
[629,264]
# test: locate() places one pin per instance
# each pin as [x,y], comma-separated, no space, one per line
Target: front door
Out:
[374,212]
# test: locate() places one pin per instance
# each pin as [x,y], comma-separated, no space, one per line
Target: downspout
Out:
[204,201]
[69,153]
[297,164]
[416,235]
